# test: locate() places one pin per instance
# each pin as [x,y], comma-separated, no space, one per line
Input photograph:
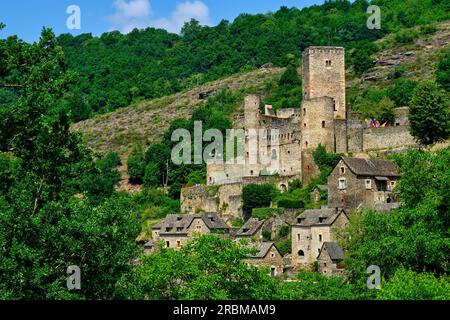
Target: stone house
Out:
[267,255]
[311,230]
[330,259]
[356,182]
[251,230]
[316,192]
[178,229]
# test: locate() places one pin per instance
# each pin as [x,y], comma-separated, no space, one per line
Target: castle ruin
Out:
[322,119]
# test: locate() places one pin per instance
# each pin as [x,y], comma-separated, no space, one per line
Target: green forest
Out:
[114,70]
[59,205]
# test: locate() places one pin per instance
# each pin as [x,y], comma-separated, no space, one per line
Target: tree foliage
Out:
[257,196]
[409,285]
[414,236]
[136,165]
[57,201]
[208,268]
[443,71]
[430,114]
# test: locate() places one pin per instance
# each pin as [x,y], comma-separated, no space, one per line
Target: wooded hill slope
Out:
[146,121]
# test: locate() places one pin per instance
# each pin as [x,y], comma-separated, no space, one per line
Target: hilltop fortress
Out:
[323,118]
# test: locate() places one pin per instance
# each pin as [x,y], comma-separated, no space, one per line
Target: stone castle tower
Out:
[323,74]
[323,106]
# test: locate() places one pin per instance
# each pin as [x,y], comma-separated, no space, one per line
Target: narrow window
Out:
[343,170]
[342,184]
[304,111]
[323,124]
[168,244]
[298,237]
[320,238]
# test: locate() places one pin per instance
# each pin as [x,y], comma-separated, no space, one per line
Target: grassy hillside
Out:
[146,121]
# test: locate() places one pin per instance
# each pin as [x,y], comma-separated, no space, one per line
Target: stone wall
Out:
[317,124]
[354,136]
[387,138]
[340,136]
[199,197]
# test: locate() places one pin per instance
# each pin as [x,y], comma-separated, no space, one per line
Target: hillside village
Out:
[355,182]
[314,155]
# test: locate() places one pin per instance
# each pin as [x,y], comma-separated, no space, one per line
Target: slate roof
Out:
[180,223]
[318,217]
[333,250]
[366,167]
[250,228]
[262,248]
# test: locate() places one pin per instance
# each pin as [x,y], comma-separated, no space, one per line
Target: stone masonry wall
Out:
[387,138]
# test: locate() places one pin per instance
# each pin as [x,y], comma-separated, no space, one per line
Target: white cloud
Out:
[184,12]
[131,14]
[138,14]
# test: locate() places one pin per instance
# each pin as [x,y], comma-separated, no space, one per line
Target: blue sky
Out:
[27,17]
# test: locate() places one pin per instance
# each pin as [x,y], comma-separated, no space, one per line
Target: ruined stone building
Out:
[289,136]
[178,229]
[355,182]
[311,230]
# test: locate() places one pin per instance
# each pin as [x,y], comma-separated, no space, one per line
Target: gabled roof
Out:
[263,249]
[250,228]
[180,223]
[366,167]
[333,250]
[212,220]
[318,217]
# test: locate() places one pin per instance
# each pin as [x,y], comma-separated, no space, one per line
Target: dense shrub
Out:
[291,204]
[265,213]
